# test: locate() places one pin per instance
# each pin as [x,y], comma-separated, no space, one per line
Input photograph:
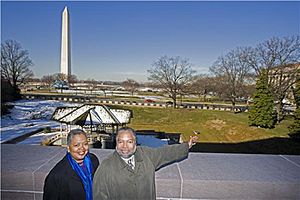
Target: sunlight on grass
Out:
[214,126]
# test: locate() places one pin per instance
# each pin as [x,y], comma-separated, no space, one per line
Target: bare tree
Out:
[131,85]
[60,81]
[72,79]
[48,80]
[60,76]
[274,52]
[218,88]
[280,58]
[93,84]
[201,86]
[104,89]
[172,74]
[15,63]
[233,72]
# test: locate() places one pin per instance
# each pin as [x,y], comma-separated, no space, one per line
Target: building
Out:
[283,78]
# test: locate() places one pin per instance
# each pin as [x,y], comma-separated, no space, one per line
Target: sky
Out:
[117,40]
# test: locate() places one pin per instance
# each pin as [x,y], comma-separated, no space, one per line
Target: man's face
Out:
[126,144]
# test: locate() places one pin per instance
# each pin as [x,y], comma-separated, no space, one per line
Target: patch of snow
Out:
[27,116]
[122,115]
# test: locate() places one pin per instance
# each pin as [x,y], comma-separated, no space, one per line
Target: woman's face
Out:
[78,147]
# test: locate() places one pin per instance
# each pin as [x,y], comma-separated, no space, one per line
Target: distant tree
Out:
[249,91]
[60,76]
[15,63]
[201,86]
[131,85]
[48,80]
[217,88]
[33,79]
[172,74]
[104,89]
[72,79]
[294,129]
[262,112]
[233,73]
[93,84]
[60,81]
[276,56]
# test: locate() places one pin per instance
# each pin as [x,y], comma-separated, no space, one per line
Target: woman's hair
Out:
[123,129]
[74,132]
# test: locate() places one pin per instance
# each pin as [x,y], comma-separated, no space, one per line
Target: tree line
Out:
[235,75]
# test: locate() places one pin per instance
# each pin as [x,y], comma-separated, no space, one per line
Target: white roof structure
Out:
[92,115]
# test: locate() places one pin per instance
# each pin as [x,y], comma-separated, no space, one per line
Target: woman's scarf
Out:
[87,179]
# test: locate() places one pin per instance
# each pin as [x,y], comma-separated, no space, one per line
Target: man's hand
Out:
[193,139]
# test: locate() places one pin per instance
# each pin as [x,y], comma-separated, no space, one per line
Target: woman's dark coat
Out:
[62,182]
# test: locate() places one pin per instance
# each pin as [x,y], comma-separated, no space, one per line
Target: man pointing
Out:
[129,172]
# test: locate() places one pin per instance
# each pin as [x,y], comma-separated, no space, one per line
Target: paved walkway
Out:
[201,176]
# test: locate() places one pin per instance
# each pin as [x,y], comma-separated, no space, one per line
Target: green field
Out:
[221,131]
[214,126]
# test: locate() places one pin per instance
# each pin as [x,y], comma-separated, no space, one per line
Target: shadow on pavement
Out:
[276,145]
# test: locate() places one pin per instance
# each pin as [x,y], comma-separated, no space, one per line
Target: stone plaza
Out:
[201,176]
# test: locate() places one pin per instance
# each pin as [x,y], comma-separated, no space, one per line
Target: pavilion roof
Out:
[91,114]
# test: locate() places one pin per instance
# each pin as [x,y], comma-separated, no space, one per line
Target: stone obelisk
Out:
[65,57]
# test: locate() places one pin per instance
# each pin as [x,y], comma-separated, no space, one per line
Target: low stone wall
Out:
[201,176]
[88,99]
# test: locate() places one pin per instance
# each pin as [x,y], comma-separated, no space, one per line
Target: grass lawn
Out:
[221,131]
[214,126]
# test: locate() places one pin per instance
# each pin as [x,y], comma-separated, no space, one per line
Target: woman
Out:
[71,178]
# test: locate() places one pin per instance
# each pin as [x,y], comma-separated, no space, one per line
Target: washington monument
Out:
[65,57]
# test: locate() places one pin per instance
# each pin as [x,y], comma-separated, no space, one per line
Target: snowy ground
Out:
[28,116]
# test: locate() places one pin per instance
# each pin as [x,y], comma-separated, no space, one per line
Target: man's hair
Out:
[74,132]
[123,129]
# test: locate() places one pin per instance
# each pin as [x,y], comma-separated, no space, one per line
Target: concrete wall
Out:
[201,176]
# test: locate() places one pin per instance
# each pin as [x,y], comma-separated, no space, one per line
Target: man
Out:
[129,173]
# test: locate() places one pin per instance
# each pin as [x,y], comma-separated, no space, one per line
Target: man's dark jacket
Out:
[62,182]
